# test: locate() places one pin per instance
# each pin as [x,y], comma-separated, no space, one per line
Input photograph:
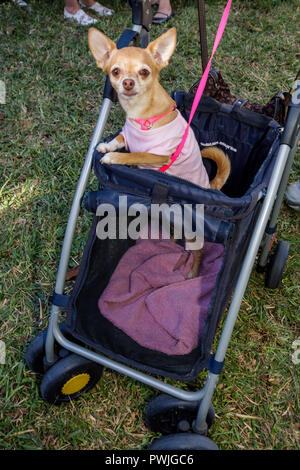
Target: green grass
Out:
[53,100]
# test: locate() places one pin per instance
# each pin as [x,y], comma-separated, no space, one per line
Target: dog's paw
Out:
[108,158]
[104,147]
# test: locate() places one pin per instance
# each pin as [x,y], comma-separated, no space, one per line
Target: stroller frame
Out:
[261,238]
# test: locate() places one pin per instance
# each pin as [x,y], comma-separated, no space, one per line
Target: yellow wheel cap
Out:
[75,384]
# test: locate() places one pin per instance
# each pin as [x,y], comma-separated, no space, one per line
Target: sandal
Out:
[162,20]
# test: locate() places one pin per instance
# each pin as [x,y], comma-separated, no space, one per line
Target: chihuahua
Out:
[154,127]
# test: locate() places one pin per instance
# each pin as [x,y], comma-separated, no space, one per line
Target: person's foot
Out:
[161,17]
[21,3]
[293,195]
[80,17]
[164,12]
[98,8]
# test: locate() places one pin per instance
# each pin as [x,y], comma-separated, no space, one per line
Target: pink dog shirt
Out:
[164,140]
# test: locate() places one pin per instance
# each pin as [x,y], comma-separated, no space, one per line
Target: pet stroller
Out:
[239,226]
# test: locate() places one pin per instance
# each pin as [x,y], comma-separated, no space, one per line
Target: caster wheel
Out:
[69,378]
[35,353]
[276,265]
[168,415]
[183,441]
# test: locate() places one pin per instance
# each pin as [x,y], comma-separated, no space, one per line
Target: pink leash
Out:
[201,86]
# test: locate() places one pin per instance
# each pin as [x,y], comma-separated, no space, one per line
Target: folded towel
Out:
[150,298]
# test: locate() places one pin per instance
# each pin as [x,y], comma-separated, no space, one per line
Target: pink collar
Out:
[146,124]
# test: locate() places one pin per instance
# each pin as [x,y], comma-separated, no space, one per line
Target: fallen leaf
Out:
[254,28]
[72,273]
[27,124]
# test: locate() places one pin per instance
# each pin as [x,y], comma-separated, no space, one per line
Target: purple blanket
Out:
[150,298]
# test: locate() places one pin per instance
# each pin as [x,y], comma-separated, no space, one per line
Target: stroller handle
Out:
[141,13]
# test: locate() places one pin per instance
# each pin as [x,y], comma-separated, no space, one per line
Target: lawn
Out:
[53,97]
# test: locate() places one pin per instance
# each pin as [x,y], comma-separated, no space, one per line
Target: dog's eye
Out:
[116,72]
[144,73]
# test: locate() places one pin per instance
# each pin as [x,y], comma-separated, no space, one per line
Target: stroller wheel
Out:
[34,356]
[183,441]
[276,265]
[69,378]
[35,353]
[167,415]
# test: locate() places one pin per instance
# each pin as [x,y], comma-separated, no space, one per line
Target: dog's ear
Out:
[101,47]
[163,47]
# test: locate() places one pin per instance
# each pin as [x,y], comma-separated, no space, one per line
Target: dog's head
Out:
[132,70]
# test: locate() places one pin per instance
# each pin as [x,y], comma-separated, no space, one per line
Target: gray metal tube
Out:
[200,425]
[69,233]
[290,137]
[252,251]
[137,28]
[212,379]
[134,374]
[82,183]
[50,339]
[75,208]
[263,259]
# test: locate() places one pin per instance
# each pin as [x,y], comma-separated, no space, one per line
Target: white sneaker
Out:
[98,8]
[80,16]
[21,3]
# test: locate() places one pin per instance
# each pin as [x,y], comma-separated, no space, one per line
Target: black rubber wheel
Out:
[183,441]
[69,378]
[276,265]
[168,415]
[35,353]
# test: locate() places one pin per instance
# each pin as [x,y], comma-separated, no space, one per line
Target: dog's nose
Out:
[128,84]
